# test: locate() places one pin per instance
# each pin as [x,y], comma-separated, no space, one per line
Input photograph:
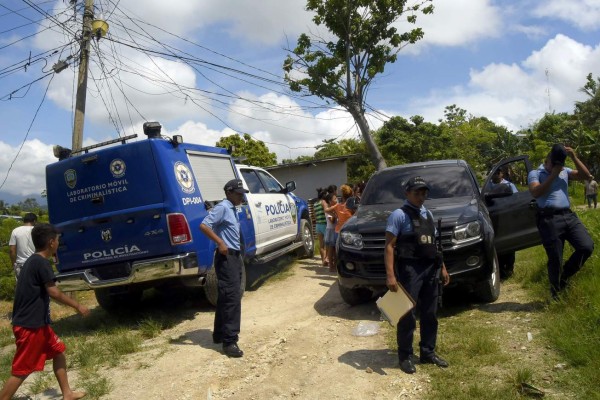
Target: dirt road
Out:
[298,339]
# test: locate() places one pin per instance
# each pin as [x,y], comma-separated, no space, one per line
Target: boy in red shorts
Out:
[36,341]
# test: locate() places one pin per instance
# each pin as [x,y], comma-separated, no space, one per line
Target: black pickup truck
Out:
[477,225]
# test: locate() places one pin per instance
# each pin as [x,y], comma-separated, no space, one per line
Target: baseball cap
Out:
[414,183]
[235,185]
[558,154]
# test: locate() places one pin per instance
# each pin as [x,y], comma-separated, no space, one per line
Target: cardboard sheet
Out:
[394,305]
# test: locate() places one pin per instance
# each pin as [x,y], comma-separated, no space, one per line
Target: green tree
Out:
[473,139]
[359,166]
[587,114]
[297,159]
[342,69]
[402,141]
[29,205]
[248,150]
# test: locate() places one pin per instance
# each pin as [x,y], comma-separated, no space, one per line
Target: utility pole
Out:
[88,16]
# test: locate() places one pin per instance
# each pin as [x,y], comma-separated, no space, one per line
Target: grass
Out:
[41,381]
[487,346]
[93,344]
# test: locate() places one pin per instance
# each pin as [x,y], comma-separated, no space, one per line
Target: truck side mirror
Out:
[290,186]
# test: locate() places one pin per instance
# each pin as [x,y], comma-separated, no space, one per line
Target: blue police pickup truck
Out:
[129,216]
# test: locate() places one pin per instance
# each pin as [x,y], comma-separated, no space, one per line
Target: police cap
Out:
[414,183]
[235,185]
[558,154]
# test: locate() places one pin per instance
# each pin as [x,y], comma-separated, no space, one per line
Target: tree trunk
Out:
[374,153]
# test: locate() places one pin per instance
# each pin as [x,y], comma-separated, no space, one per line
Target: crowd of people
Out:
[331,213]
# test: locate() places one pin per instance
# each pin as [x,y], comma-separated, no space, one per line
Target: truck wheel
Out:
[211,288]
[112,300]
[355,296]
[489,290]
[308,243]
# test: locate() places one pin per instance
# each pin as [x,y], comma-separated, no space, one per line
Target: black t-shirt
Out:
[31,308]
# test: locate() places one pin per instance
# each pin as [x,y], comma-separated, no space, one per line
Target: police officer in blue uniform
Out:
[411,259]
[222,226]
[555,221]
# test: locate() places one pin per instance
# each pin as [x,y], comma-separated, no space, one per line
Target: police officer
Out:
[411,259]
[555,221]
[222,226]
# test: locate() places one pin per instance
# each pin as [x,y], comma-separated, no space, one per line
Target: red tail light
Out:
[179,230]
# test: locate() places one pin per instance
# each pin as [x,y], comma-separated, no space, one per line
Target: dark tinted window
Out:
[271,184]
[254,184]
[444,182]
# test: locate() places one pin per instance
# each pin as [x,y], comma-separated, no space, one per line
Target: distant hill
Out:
[14,199]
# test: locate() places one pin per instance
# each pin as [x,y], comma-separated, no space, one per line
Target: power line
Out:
[27,134]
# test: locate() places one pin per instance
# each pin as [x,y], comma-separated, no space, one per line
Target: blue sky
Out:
[511,61]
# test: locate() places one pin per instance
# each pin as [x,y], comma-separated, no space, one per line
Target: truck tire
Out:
[308,243]
[111,300]
[489,290]
[355,296]
[211,288]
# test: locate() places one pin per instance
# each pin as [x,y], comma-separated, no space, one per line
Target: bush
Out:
[7,287]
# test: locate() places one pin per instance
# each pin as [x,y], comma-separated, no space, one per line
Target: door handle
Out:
[532,204]
[258,204]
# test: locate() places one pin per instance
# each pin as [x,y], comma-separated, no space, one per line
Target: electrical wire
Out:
[27,134]
[181,91]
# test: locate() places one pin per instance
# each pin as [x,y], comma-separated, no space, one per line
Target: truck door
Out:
[273,211]
[512,213]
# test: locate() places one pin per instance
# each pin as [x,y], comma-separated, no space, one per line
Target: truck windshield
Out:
[444,182]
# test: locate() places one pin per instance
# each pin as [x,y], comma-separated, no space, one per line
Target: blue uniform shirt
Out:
[223,220]
[557,196]
[398,222]
[512,187]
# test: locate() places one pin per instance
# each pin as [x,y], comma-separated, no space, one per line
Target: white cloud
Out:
[516,95]
[26,176]
[289,130]
[531,31]
[199,133]
[457,23]
[263,22]
[155,95]
[583,14]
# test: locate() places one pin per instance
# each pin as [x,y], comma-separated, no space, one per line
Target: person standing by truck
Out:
[222,226]
[36,341]
[321,223]
[555,221]
[591,192]
[20,243]
[411,259]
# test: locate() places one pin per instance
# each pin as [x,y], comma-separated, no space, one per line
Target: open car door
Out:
[512,213]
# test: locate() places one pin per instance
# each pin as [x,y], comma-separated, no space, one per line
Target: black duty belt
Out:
[232,252]
[548,212]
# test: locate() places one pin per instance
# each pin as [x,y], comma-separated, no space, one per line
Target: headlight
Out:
[351,239]
[467,233]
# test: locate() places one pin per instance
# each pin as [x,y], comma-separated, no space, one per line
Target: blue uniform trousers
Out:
[419,279]
[229,301]
[554,229]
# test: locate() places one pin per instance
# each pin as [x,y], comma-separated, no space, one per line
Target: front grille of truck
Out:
[375,242]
